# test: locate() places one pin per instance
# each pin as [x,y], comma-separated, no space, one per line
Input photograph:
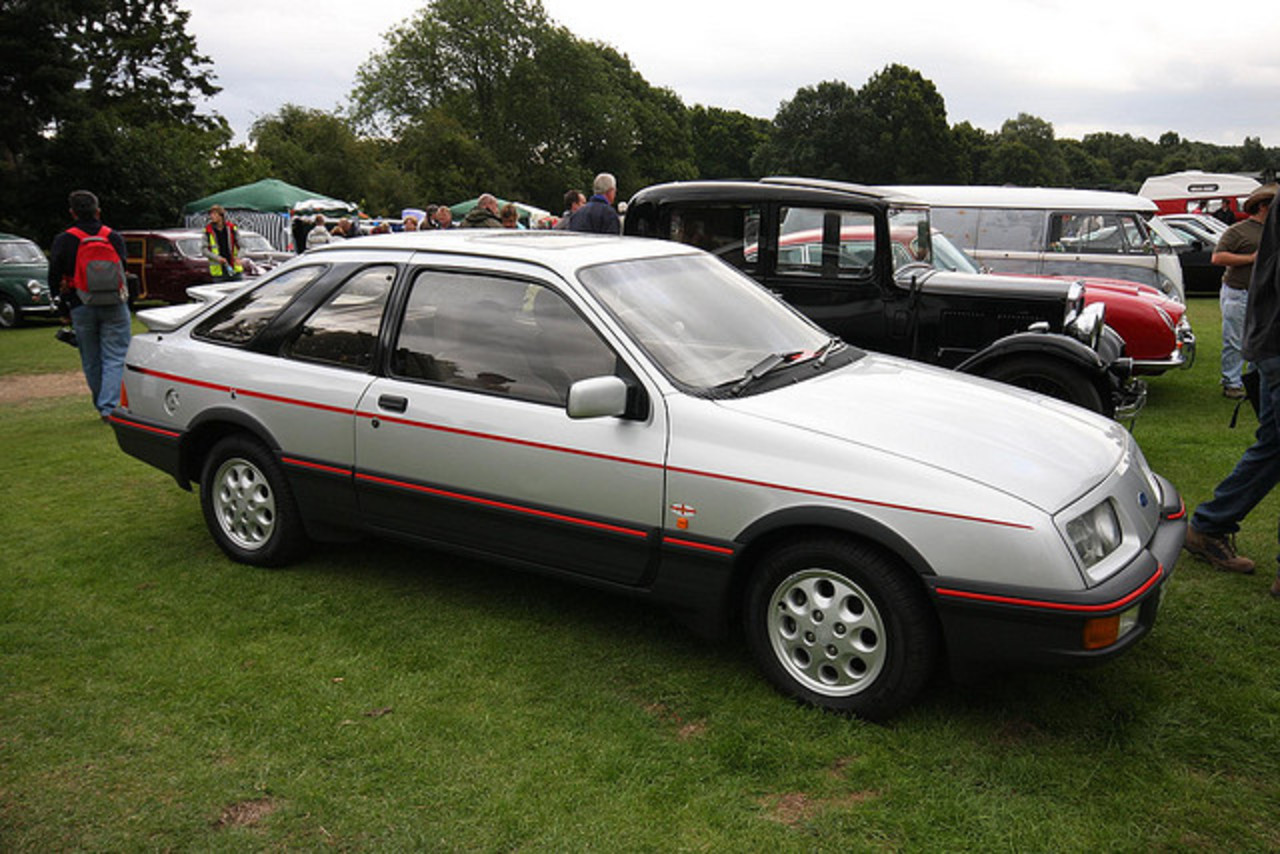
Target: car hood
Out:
[1036,448]
[995,284]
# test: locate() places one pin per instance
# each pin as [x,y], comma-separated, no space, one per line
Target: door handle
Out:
[393,402]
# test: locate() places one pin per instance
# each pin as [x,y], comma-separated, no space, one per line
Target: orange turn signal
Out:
[1101,631]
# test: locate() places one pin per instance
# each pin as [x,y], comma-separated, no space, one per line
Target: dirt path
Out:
[17,388]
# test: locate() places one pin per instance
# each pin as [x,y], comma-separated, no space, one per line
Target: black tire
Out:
[837,623]
[10,314]
[248,504]
[1051,377]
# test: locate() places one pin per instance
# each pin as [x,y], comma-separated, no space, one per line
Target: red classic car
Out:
[1156,331]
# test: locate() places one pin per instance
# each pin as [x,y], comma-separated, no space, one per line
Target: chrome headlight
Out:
[1086,326]
[36,289]
[1095,534]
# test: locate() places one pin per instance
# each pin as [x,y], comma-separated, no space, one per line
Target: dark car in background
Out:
[1200,236]
[24,275]
[166,262]
[1035,333]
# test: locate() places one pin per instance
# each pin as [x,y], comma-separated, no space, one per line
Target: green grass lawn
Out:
[156,696]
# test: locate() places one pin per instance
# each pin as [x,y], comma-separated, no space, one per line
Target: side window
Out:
[496,335]
[730,232]
[343,331]
[960,224]
[1095,233]
[239,322]
[829,244]
[133,248]
[1010,230]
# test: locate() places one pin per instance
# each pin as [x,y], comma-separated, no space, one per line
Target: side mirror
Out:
[597,397]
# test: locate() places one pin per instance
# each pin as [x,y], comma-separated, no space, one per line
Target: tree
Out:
[313,149]
[101,94]
[1028,133]
[548,110]
[724,141]
[815,134]
[904,137]
[972,147]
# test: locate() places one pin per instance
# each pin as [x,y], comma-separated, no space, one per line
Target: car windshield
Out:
[191,247]
[912,236]
[948,256]
[254,242]
[20,252]
[702,322]
[1164,237]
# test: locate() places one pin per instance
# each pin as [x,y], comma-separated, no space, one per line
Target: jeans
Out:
[1257,471]
[1233,302]
[103,333]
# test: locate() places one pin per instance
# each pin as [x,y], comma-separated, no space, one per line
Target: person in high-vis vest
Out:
[222,247]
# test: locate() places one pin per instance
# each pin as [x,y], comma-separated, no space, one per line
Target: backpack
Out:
[99,275]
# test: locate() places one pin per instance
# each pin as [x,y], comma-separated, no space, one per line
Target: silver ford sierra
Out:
[639,416]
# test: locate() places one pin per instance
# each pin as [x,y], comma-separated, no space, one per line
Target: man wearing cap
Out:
[1236,251]
[1211,534]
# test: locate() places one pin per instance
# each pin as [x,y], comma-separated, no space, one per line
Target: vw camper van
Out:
[1042,231]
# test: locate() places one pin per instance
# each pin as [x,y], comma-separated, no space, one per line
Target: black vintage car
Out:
[858,261]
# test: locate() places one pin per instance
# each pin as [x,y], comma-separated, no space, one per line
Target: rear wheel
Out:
[1050,377]
[248,505]
[838,624]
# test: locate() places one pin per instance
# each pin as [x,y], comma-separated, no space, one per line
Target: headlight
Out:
[1086,326]
[1095,534]
[36,289]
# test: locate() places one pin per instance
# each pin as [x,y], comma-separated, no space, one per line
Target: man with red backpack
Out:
[86,271]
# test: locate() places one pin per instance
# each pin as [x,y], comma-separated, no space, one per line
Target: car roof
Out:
[5,236]
[1059,198]
[778,188]
[563,251]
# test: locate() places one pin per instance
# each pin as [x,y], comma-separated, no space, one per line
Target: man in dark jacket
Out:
[1211,533]
[484,214]
[102,331]
[597,216]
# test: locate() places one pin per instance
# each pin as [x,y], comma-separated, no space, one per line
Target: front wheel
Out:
[10,316]
[838,624]
[248,504]
[1050,377]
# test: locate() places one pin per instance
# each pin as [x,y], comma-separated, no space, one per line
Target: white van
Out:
[1042,231]
[1194,191]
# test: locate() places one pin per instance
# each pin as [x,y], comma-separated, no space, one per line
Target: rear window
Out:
[20,252]
[248,315]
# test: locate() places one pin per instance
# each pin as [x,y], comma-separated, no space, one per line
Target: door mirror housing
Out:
[598,397]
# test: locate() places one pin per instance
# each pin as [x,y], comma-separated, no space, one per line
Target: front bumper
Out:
[994,627]
[1183,355]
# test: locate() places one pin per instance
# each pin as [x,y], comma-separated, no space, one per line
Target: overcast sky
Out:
[1211,73]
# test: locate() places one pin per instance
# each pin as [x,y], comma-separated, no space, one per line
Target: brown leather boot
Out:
[1219,550]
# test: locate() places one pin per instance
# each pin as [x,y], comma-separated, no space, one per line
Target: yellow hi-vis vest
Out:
[215,269]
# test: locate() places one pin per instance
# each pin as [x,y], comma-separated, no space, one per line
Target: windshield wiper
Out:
[762,367]
[827,349]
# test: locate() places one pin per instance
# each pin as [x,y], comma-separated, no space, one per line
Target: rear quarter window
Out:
[244,318]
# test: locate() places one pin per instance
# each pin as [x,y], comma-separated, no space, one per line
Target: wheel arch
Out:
[770,531]
[1071,354]
[208,429]
[1035,343]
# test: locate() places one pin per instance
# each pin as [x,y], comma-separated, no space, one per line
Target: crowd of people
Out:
[596,214]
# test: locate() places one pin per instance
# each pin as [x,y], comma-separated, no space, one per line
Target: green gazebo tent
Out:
[264,206]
